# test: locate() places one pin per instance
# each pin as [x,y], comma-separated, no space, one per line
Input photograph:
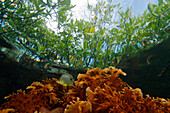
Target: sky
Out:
[138,7]
[81,7]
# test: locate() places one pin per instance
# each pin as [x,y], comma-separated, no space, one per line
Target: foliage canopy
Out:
[100,41]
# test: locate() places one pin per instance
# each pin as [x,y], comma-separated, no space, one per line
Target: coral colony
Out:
[97,91]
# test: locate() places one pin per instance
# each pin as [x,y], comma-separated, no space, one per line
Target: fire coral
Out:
[97,91]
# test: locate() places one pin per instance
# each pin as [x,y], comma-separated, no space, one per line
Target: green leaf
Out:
[102,31]
[100,43]
[85,44]
[11,22]
[104,3]
[160,2]
[42,48]
[36,4]
[121,13]
[150,7]
[48,2]
[89,6]
[131,20]
[154,14]
[115,30]
[63,19]
[146,34]
[100,10]
[92,29]
[127,11]
[40,2]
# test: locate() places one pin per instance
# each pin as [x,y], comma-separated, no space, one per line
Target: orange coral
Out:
[79,107]
[107,93]
[96,91]
[7,110]
[45,110]
[48,94]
